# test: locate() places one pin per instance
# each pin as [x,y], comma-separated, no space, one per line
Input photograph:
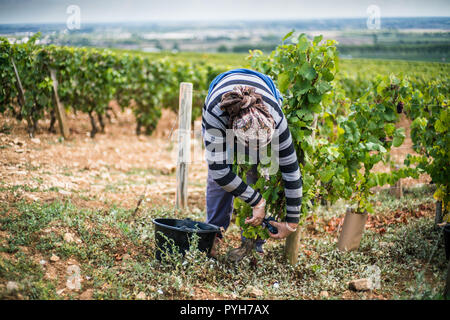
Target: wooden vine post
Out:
[397,189]
[59,108]
[293,240]
[21,97]
[447,283]
[292,245]
[184,144]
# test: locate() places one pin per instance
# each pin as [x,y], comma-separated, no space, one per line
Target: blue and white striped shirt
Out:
[214,125]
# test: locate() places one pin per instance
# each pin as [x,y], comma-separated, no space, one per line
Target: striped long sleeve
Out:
[214,125]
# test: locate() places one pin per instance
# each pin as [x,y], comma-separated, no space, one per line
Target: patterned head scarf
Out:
[250,120]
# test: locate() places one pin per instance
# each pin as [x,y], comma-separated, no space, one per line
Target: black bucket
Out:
[447,240]
[181,231]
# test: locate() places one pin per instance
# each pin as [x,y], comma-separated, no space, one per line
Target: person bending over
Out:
[248,103]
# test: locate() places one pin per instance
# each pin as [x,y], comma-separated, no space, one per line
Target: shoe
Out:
[259,249]
[236,255]
[258,246]
[214,249]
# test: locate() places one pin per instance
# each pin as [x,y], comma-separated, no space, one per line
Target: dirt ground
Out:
[118,168]
[115,167]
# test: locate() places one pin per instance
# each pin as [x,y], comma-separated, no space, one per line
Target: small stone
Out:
[255,292]
[24,249]
[141,296]
[364,284]
[64,192]
[73,269]
[348,295]
[36,140]
[12,287]
[168,169]
[31,197]
[42,262]
[18,142]
[68,237]
[87,295]
[74,279]
[276,285]
[385,245]
[54,258]
[324,294]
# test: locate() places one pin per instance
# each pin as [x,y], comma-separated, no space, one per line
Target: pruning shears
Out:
[266,224]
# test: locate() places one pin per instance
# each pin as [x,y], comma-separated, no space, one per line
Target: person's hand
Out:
[283,229]
[258,214]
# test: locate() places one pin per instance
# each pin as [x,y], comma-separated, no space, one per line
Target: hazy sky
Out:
[27,11]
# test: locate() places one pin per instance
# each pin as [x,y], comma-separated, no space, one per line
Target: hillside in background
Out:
[423,39]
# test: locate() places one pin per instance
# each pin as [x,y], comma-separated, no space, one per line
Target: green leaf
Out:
[327,75]
[287,36]
[323,86]
[314,97]
[304,114]
[419,123]
[390,115]
[317,39]
[399,137]
[389,128]
[283,81]
[301,87]
[326,174]
[440,128]
[307,71]
[303,43]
